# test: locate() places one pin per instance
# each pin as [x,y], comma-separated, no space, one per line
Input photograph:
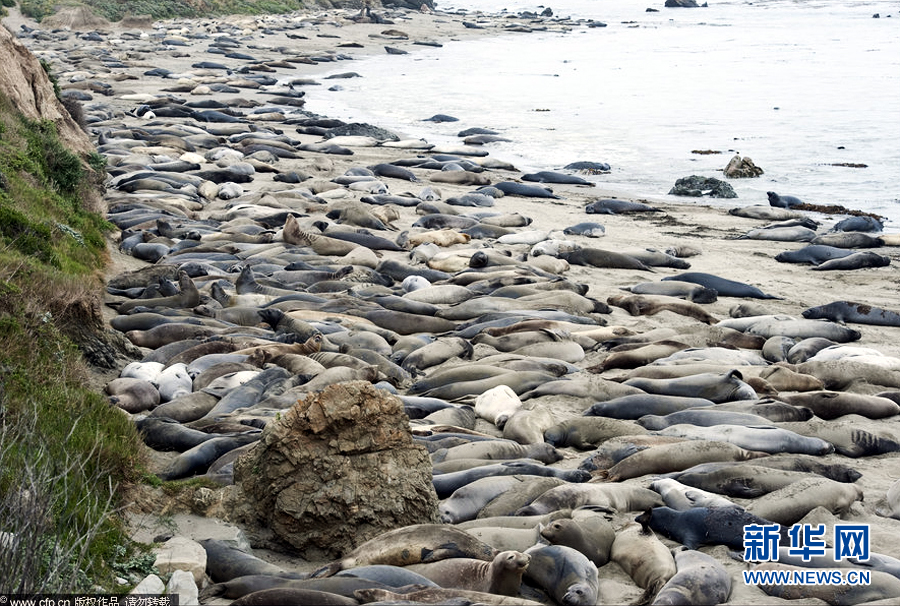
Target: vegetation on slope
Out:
[64,452]
[114,10]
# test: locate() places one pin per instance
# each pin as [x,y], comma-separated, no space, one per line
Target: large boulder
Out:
[742,168]
[339,468]
[695,186]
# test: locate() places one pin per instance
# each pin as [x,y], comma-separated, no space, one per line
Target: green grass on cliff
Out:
[114,10]
[64,452]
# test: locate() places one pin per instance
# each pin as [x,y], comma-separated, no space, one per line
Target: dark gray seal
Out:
[714,387]
[511,188]
[700,579]
[565,573]
[813,254]
[848,311]
[618,207]
[782,201]
[702,525]
[858,260]
[225,562]
[723,286]
[636,406]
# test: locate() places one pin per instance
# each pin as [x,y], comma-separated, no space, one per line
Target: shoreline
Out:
[709,228]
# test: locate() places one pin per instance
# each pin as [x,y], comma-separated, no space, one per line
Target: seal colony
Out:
[277,252]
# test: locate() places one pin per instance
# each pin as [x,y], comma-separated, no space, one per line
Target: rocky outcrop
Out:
[26,85]
[695,186]
[742,168]
[338,469]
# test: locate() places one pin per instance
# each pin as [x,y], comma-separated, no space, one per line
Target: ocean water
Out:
[797,86]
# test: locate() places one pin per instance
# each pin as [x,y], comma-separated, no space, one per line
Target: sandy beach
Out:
[310,45]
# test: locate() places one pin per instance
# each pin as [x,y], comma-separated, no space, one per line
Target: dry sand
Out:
[709,228]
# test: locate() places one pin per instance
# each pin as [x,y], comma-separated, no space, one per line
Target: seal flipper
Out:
[649,593]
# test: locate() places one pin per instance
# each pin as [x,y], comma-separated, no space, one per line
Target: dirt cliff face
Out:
[26,84]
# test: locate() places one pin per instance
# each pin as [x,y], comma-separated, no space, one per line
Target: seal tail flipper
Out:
[649,593]
[329,570]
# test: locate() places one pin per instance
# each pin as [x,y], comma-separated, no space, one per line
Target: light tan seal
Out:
[648,305]
[644,558]
[501,576]
[416,544]
[187,297]
[322,245]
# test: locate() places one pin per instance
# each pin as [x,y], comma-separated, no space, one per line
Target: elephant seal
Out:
[848,311]
[858,260]
[439,595]
[742,481]
[132,395]
[700,579]
[700,417]
[587,229]
[419,543]
[723,286]
[702,525]
[782,201]
[617,207]
[788,505]
[225,562]
[717,388]
[849,239]
[284,596]
[681,497]
[644,558]
[393,576]
[528,426]
[187,297]
[502,576]
[597,257]
[496,450]
[812,254]
[763,438]
[587,531]
[446,483]
[565,573]
[636,406]
[650,305]
[675,288]
[467,501]
[883,588]
[585,433]
[497,404]
[891,507]
[833,404]
[676,456]
[802,329]
[615,497]
[197,460]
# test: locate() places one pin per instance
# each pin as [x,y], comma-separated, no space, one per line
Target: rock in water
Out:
[699,186]
[339,468]
[742,168]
